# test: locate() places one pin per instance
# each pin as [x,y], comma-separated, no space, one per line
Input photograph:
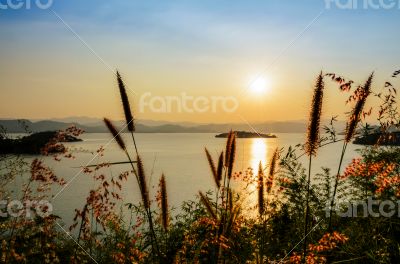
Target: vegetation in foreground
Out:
[300,217]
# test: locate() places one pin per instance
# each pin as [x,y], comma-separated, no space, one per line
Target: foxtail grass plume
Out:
[232,153]
[144,191]
[208,205]
[230,200]
[260,190]
[213,169]
[228,147]
[315,118]
[355,114]
[115,133]
[272,168]
[125,103]
[312,143]
[220,167]
[164,203]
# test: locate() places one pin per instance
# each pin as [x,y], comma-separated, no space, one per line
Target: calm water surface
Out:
[179,156]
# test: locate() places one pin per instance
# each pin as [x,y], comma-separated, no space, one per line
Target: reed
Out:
[207,204]
[164,203]
[315,118]
[260,190]
[125,103]
[130,122]
[220,167]
[312,144]
[225,165]
[144,192]
[139,173]
[356,113]
[143,184]
[214,170]
[272,168]
[230,201]
[232,153]
[352,123]
[115,134]
[217,175]
[228,147]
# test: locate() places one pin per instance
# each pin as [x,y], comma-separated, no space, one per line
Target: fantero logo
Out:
[187,104]
[25,4]
[362,4]
[27,208]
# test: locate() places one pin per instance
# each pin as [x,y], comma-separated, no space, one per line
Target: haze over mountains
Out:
[95,125]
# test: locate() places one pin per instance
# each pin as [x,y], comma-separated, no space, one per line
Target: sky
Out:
[197,61]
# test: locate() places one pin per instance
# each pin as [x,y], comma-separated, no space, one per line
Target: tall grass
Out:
[139,171]
[130,122]
[223,209]
[354,118]
[312,144]
[261,202]
[272,170]
[164,203]
[217,173]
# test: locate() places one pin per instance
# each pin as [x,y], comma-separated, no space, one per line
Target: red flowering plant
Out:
[377,173]
[30,227]
[101,228]
[205,241]
[318,252]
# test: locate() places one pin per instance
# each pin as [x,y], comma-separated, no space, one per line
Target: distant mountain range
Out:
[93,125]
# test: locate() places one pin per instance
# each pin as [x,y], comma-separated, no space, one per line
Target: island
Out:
[34,143]
[245,134]
[389,139]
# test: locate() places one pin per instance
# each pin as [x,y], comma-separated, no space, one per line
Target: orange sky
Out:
[203,51]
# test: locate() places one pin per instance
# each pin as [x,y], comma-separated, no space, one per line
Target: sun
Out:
[260,85]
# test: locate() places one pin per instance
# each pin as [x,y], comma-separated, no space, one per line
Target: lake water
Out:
[180,157]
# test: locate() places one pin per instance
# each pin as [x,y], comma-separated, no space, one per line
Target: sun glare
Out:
[260,85]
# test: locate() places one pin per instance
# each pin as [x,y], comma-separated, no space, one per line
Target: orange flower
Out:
[383,174]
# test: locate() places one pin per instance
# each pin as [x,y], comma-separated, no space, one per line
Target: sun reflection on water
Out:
[259,153]
[255,150]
